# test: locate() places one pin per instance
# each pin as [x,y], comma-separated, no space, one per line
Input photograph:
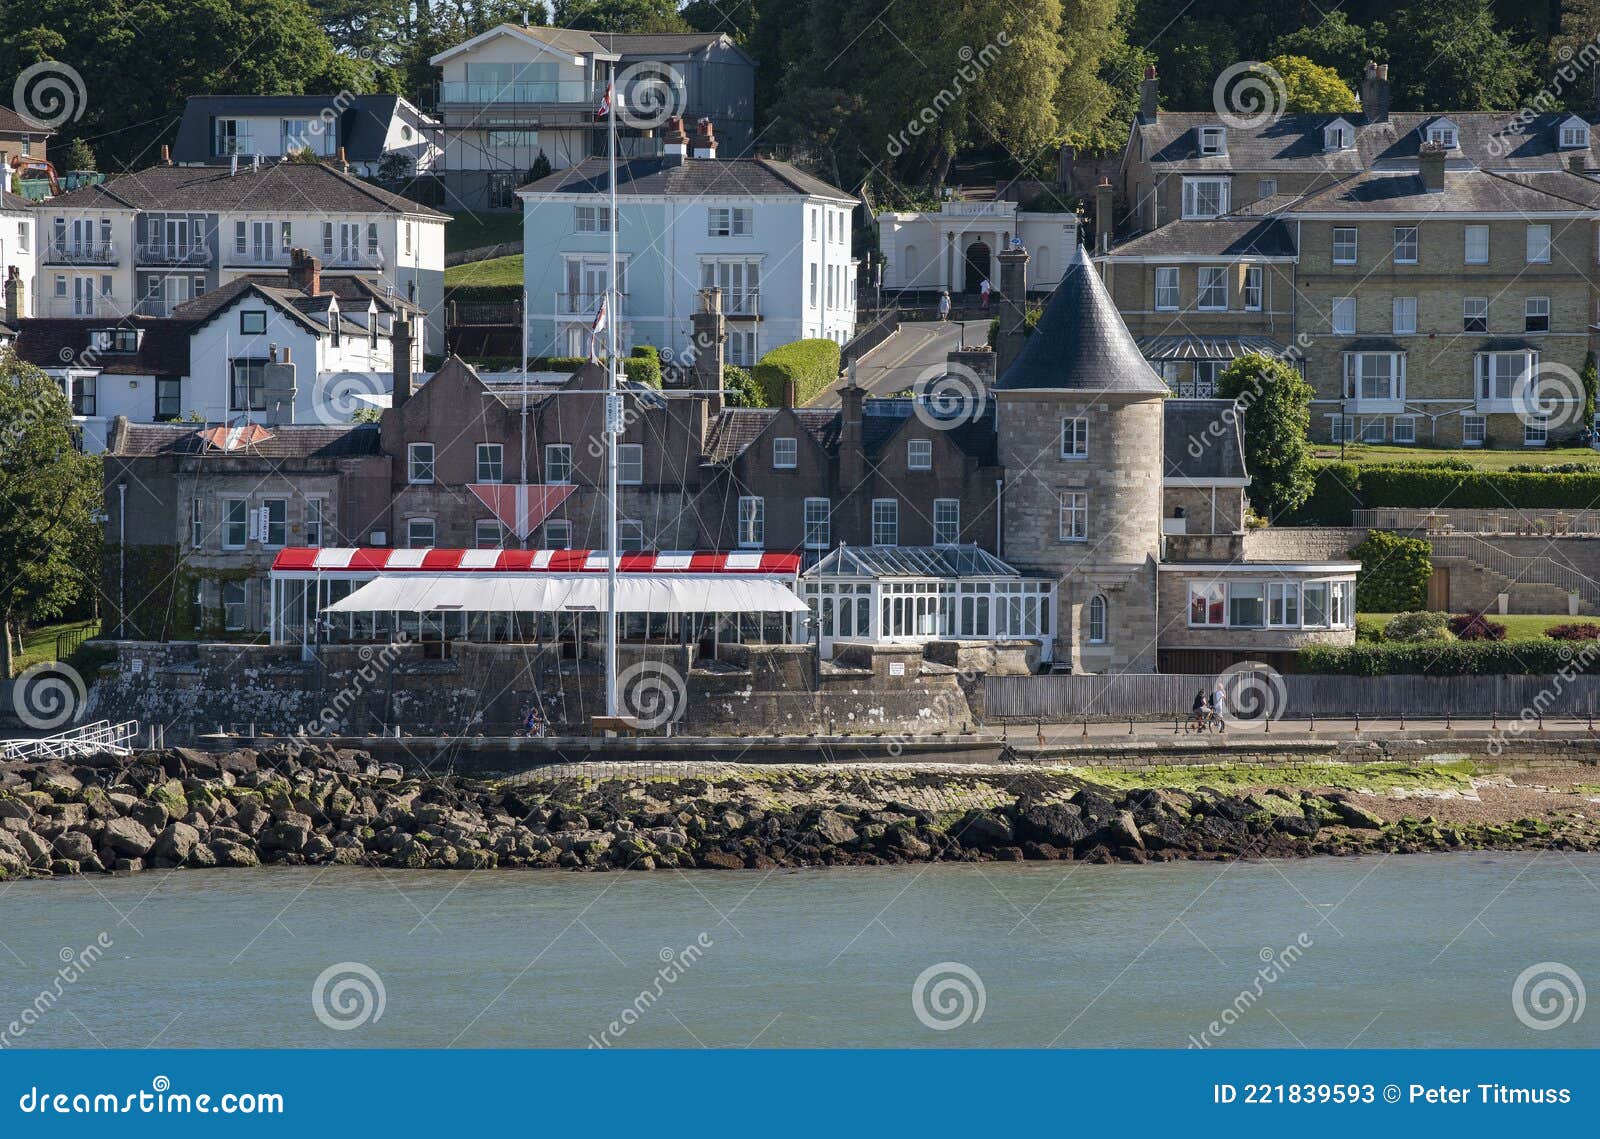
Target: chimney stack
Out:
[305,272]
[1013,307]
[14,296]
[1104,222]
[852,461]
[343,163]
[705,139]
[674,142]
[166,155]
[1375,93]
[1430,163]
[400,338]
[1578,162]
[1149,93]
[709,332]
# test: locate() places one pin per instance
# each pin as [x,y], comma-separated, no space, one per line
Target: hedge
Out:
[1533,657]
[1394,573]
[813,365]
[1343,487]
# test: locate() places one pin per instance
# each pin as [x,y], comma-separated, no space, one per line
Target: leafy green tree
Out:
[1311,87]
[1451,54]
[79,155]
[620,15]
[49,492]
[1333,41]
[736,18]
[1274,403]
[741,388]
[1394,573]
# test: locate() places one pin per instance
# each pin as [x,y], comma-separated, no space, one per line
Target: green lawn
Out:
[39,644]
[498,271]
[1489,460]
[472,230]
[1519,626]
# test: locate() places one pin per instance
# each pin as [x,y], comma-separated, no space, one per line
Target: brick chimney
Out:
[709,334]
[1375,93]
[1104,215]
[166,155]
[305,272]
[1149,95]
[1430,162]
[14,296]
[674,142]
[400,339]
[1013,307]
[1578,162]
[704,140]
[852,462]
[342,162]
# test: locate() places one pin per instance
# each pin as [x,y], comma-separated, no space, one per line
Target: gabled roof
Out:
[734,429]
[604,45]
[355,294]
[292,187]
[1081,343]
[287,441]
[13,122]
[1202,440]
[363,122]
[693,177]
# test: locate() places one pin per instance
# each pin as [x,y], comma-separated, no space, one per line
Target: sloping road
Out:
[895,364]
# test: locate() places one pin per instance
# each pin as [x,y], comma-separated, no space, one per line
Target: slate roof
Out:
[1223,237]
[665,43]
[735,428]
[363,123]
[1081,343]
[1493,139]
[692,177]
[284,186]
[1200,441]
[1465,191]
[61,342]
[288,441]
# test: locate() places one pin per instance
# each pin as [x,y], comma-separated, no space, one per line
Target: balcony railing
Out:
[253,255]
[587,304]
[741,303]
[571,91]
[82,306]
[81,253]
[271,257]
[162,253]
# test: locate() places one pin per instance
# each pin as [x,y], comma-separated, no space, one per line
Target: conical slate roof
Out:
[1081,344]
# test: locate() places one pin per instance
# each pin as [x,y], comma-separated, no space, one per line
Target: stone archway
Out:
[977,263]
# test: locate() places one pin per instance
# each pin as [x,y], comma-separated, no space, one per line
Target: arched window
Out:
[912,267]
[1097,620]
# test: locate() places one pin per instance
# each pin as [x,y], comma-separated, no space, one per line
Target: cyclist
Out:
[1198,713]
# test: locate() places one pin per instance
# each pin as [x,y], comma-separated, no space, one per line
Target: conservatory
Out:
[924,593]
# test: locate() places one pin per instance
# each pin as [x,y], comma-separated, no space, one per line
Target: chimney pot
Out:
[14,296]
[400,339]
[1149,96]
[166,155]
[305,272]
[1375,93]
[1104,215]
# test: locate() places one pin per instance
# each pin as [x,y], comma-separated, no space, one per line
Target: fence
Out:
[1510,521]
[1167,696]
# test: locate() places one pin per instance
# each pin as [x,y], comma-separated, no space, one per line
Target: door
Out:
[977,266]
[83,296]
[261,244]
[1439,590]
[175,236]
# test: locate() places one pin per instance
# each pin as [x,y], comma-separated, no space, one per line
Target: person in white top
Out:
[944,305]
[983,291]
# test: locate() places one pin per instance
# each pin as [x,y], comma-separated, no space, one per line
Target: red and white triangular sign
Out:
[519,507]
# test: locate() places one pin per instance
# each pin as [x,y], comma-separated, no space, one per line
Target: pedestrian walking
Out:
[944,305]
[983,291]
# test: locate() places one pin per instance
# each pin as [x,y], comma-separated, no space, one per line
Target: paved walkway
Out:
[895,364]
[1344,728]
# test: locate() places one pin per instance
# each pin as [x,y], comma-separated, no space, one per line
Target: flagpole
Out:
[613,403]
[522,519]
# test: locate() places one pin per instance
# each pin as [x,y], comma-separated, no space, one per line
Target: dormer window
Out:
[1574,134]
[1338,135]
[114,339]
[1444,133]
[1213,140]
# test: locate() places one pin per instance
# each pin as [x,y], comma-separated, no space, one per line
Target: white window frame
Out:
[1072,516]
[1474,429]
[1208,592]
[1535,309]
[1283,599]
[1096,621]
[919,454]
[490,463]
[1209,279]
[414,527]
[1487,378]
[630,464]
[1475,245]
[1405,429]
[946,521]
[1167,288]
[1254,287]
[280,506]
[558,460]
[1346,244]
[1405,316]
[235,596]
[1474,309]
[751,522]
[497,542]
[1574,133]
[554,527]
[1213,140]
[316,520]
[421,463]
[1535,431]
[886,522]
[1355,377]
[1342,316]
[817,533]
[1407,244]
[229,505]
[1075,437]
[1215,188]
[1538,245]
[785,453]
[730,221]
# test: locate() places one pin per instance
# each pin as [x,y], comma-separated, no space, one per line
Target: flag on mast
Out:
[596,329]
[605,102]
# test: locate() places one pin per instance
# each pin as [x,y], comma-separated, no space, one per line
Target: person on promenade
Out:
[983,291]
[944,305]
[1197,714]
[1219,704]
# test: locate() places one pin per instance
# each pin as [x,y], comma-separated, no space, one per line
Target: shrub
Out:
[1394,573]
[1421,625]
[1274,404]
[813,365]
[741,389]
[644,366]
[1342,487]
[1476,627]
[1534,657]
[1574,631]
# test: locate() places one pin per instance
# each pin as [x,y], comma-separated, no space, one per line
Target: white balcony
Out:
[70,252]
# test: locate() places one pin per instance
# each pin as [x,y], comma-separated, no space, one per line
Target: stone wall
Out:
[1302,543]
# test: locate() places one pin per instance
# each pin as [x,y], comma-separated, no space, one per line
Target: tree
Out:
[49,492]
[1274,402]
[736,20]
[1450,54]
[79,156]
[1394,573]
[1335,42]
[620,15]
[1311,87]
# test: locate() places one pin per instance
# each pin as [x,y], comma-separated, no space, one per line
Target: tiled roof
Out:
[1222,237]
[580,42]
[691,177]
[314,187]
[1081,343]
[1201,440]
[362,131]
[1465,191]
[60,342]
[1493,139]
[11,122]
[735,428]
[288,441]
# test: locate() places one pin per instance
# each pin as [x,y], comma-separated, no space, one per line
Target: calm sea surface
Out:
[1419,951]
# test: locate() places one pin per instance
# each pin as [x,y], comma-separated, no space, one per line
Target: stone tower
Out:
[1079,424]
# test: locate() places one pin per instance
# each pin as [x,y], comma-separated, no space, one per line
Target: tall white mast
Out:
[522,519]
[613,403]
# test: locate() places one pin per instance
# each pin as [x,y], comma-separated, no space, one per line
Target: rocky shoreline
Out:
[307,806]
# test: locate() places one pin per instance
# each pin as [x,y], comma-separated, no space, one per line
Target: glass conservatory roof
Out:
[911,561]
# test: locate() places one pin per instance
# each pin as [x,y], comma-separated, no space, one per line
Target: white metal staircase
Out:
[86,739]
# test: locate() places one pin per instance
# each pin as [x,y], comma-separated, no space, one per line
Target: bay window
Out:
[1499,374]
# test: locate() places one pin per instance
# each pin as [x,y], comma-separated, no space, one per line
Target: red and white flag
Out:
[605,102]
[595,330]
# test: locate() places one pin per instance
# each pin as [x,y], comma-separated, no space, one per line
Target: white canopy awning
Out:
[555,593]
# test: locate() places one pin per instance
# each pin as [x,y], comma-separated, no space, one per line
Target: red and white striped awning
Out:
[310,559]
